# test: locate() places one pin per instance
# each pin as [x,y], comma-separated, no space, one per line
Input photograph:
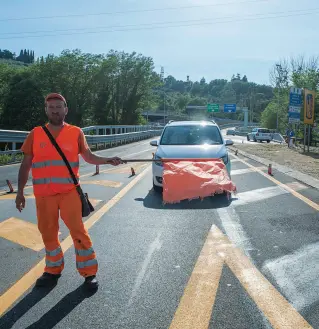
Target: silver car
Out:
[188,140]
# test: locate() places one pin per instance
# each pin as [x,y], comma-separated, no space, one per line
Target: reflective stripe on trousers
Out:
[84,252]
[81,265]
[49,263]
[54,252]
[53,163]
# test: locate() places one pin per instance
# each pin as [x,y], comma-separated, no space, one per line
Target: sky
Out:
[213,39]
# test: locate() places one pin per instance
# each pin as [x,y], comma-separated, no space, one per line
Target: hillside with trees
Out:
[115,88]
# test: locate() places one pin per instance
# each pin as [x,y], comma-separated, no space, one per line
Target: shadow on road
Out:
[53,316]
[154,200]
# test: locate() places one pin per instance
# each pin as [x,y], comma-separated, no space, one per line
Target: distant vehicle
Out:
[231,132]
[260,135]
[188,140]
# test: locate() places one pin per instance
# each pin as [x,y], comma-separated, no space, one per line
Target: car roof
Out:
[192,123]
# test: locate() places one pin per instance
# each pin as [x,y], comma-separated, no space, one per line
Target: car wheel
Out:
[255,140]
[248,138]
[268,141]
[157,189]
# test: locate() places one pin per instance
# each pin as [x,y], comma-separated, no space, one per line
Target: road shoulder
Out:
[302,177]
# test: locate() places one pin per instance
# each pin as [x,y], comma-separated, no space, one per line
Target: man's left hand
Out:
[115,161]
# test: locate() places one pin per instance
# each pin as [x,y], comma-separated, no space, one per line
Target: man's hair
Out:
[54,98]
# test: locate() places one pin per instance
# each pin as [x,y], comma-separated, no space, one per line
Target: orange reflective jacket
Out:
[49,173]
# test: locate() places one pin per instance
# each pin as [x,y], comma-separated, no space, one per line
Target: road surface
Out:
[249,263]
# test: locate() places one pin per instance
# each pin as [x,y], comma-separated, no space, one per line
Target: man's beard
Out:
[56,121]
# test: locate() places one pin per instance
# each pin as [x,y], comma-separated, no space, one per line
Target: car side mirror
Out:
[154,143]
[229,142]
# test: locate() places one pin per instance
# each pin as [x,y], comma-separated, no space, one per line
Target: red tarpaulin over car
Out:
[196,178]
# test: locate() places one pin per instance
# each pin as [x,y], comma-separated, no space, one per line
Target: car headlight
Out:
[225,159]
[158,163]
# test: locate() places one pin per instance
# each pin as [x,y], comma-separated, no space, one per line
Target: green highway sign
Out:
[212,107]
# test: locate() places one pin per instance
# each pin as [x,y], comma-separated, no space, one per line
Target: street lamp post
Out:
[278,86]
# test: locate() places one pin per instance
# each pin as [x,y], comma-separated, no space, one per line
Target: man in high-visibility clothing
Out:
[55,192]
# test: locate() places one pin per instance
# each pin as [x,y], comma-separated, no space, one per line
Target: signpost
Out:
[229,108]
[295,101]
[212,108]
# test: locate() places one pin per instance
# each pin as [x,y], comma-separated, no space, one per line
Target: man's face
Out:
[56,111]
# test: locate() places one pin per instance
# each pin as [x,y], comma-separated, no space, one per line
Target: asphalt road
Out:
[251,262]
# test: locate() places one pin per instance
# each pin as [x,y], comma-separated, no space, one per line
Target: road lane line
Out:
[155,245]
[244,171]
[233,228]
[279,312]
[22,285]
[196,305]
[258,195]
[289,189]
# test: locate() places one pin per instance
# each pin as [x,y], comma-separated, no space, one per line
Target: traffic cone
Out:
[132,171]
[10,186]
[270,170]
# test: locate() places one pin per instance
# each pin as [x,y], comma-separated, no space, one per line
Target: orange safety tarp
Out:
[196,178]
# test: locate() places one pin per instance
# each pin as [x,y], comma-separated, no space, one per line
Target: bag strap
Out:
[55,144]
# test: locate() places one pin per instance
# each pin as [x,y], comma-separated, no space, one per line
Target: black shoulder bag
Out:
[87,207]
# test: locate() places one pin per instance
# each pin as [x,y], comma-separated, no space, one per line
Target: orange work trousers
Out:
[68,206]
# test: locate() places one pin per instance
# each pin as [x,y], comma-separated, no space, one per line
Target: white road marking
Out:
[258,195]
[233,228]
[244,171]
[297,275]
[155,245]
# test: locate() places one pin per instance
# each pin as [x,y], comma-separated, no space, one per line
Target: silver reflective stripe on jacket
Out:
[84,252]
[53,163]
[87,263]
[54,252]
[49,263]
[56,180]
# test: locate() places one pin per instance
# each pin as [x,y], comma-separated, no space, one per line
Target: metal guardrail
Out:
[95,141]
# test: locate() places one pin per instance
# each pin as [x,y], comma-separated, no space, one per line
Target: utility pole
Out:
[278,86]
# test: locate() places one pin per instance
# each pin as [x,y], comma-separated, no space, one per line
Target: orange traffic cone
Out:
[270,170]
[132,171]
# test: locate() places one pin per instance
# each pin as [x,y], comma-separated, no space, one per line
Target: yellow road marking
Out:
[21,286]
[286,187]
[106,183]
[195,308]
[196,305]
[21,232]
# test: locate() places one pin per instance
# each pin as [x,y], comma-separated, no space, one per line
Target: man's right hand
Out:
[20,201]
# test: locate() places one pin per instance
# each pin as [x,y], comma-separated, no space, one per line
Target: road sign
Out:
[230,108]
[213,108]
[295,96]
[309,107]
[295,101]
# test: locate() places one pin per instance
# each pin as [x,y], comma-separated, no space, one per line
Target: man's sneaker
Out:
[91,282]
[47,280]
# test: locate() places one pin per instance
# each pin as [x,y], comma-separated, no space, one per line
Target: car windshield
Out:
[191,135]
[265,131]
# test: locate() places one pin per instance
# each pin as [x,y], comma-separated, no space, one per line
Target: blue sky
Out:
[217,50]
